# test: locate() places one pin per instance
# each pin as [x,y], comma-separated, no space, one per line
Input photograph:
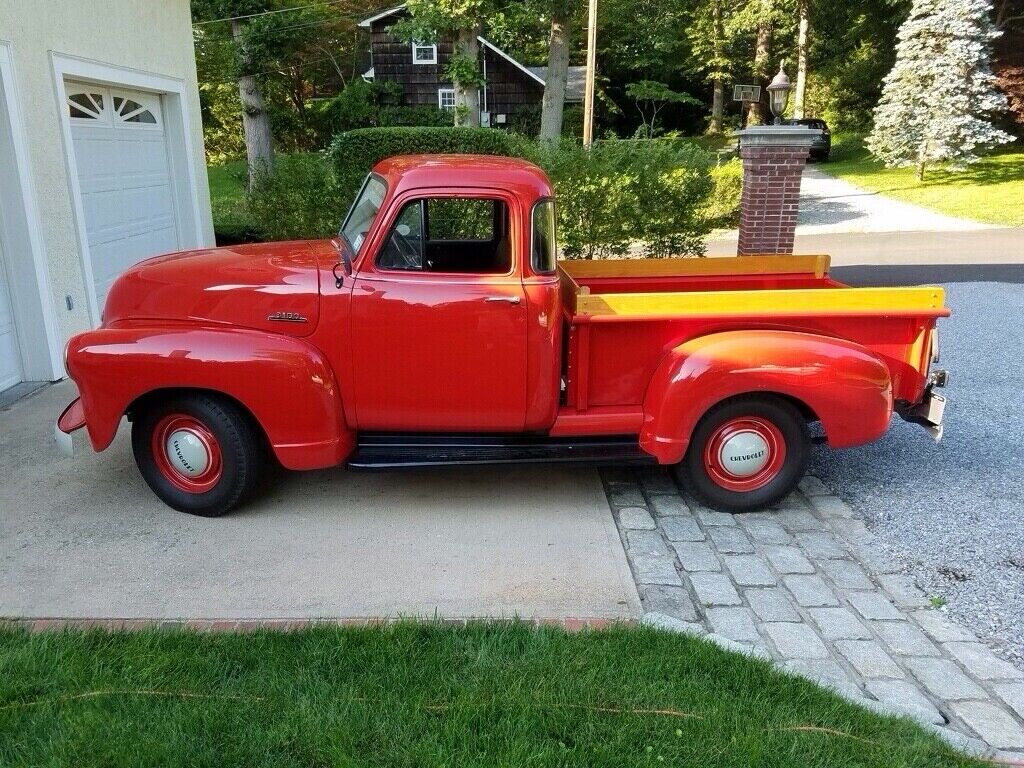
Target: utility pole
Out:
[588,93]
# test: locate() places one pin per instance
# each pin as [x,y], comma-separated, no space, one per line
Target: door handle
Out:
[506,299]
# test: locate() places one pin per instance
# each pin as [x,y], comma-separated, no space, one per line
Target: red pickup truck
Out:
[439,328]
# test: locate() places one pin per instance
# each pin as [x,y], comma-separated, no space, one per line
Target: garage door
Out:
[10,357]
[123,166]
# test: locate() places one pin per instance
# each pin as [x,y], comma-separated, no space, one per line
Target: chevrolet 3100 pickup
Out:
[438,327]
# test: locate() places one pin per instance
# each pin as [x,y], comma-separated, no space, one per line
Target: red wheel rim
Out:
[187,453]
[745,454]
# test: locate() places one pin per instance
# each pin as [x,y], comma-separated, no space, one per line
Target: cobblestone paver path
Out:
[804,585]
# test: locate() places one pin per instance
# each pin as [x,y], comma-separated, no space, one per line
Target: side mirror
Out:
[403,229]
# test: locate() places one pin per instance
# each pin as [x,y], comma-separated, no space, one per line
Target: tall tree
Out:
[800,92]
[559,41]
[713,51]
[259,141]
[464,21]
[938,100]
[762,51]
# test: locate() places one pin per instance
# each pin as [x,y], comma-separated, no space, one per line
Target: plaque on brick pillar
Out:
[774,157]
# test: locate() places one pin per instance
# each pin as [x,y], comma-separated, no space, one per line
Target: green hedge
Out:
[664,195]
[620,193]
[354,153]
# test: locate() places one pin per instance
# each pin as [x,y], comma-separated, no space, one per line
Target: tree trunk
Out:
[259,144]
[757,114]
[557,75]
[718,95]
[467,95]
[801,62]
[717,106]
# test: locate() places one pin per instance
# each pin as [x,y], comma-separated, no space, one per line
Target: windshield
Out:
[364,211]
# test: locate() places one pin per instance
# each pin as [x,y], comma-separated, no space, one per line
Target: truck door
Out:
[439,318]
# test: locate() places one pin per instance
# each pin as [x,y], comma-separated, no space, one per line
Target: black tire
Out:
[240,445]
[693,474]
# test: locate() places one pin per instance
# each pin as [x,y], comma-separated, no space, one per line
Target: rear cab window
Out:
[542,238]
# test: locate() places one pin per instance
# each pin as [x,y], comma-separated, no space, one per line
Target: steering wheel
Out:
[406,251]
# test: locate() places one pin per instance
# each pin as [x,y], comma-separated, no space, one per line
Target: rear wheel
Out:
[747,453]
[199,453]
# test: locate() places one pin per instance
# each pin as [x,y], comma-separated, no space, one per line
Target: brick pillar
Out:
[773,162]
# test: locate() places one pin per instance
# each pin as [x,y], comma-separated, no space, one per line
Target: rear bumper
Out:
[931,411]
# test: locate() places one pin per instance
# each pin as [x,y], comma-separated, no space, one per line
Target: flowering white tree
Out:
[938,100]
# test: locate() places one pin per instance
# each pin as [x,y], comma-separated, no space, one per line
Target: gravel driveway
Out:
[953,513]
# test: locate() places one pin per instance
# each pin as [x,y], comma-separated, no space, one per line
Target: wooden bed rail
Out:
[926,300]
[816,265]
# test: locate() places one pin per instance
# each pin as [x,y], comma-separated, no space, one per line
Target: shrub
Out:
[354,153]
[301,200]
[724,200]
[622,192]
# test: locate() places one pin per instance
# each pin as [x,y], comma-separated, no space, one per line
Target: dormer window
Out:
[424,54]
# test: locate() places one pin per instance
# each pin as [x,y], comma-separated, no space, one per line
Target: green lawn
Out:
[991,190]
[227,193]
[424,695]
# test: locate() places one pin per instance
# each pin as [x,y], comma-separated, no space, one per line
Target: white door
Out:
[10,355]
[124,175]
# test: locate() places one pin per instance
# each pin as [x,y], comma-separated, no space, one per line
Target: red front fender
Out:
[846,386]
[285,383]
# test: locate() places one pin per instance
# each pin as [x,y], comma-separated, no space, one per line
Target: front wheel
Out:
[200,454]
[746,453]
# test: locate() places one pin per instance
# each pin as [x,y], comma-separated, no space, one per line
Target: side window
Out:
[450,234]
[543,251]
[404,247]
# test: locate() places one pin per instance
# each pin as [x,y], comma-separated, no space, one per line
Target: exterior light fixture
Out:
[778,93]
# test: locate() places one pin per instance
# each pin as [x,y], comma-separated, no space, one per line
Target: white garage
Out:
[101,165]
[122,162]
[10,355]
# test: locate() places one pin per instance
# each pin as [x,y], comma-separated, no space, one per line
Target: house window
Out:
[446,98]
[424,54]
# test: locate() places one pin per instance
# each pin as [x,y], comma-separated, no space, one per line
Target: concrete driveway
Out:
[85,537]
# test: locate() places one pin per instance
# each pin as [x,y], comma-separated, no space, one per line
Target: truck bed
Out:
[622,316]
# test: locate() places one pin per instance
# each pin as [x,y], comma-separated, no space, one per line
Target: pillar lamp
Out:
[778,93]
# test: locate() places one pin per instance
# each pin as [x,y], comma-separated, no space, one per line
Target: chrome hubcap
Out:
[187,453]
[744,454]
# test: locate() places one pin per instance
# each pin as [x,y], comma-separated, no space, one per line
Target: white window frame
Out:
[440,98]
[433,53]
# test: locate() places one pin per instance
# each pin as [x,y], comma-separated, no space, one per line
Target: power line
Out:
[299,64]
[300,25]
[268,13]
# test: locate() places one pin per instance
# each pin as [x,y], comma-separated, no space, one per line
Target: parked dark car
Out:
[821,147]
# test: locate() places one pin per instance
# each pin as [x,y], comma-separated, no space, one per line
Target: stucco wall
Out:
[151,36]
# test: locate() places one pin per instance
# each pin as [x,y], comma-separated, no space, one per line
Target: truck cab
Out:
[455,322]
[439,327]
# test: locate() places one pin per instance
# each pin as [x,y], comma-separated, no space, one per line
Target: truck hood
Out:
[268,286]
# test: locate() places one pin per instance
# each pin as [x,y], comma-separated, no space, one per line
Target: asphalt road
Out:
[953,513]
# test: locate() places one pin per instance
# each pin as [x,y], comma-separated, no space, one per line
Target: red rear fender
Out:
[846,386]
[285,383]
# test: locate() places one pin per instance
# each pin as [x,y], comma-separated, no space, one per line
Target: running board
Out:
[393,451]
